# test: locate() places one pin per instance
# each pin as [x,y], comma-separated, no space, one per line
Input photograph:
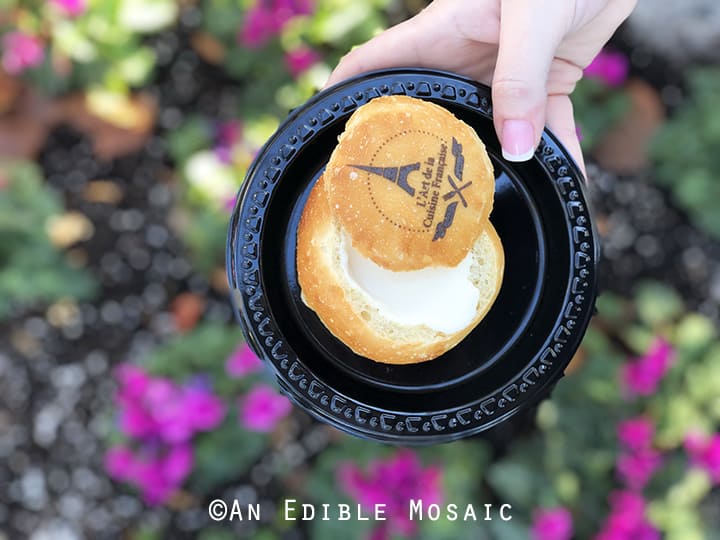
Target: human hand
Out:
[532,52]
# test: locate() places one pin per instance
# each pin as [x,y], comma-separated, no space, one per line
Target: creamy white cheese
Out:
[440,297]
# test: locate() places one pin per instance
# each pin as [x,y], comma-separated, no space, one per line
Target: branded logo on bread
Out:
[425,183]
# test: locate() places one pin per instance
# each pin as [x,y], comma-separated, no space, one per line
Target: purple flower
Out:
[300,60]
[627,520]
[21,51]
[230,206]
[610,68]
[552,524]
[393,482]
[243,361]
[636,469]
[227,135]
[704,452]
[636,433]
[267,18]
[156,471]
[71,8]
[262,408]
[641,377]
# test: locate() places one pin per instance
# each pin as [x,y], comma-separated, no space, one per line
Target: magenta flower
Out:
[71,8]
[641,377]
[258,27]
[21,51]
[704,452]
[203,408]
[156,408]
[243,361]
[157,472]
[393,482]
[552,524]
[262,408]
[636,469]
[267,18]
[608,67]
[636,433]
[299,60]
[627,519]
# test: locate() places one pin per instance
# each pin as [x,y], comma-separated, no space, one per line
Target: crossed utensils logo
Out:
[399,176]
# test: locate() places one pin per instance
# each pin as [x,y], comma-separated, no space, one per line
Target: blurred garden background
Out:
[128,400]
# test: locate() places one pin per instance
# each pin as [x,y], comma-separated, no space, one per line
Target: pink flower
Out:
[204,409]
[637,468]
[636,433]
[258,27]
[642,376]
[627,519]
[552,524]
[71,8]
[243,361]
[156,471]
[262,408]
[267,18]
[21,51]
[300,60]
[704,452]
[120,463]
[393,482]
[608,67]
[157,408]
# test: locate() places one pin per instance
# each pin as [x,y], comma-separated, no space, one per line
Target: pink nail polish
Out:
[517,140]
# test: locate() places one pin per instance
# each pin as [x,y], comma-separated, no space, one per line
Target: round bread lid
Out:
[410,183]
[518,351]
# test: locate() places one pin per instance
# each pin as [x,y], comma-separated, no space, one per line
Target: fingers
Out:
[561,121]
[530,31]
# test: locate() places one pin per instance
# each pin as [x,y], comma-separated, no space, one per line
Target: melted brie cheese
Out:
[440,297]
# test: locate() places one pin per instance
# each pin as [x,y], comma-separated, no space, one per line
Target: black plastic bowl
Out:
[508,361]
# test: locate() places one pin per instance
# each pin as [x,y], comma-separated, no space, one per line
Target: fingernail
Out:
[517,140]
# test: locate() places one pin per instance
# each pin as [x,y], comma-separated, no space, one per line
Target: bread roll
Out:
[390,288]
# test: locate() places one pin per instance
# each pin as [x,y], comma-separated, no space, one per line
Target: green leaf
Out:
[225,454]
[32,270]
[204,350]
[657,303]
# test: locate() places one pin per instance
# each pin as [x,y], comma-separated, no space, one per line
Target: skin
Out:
[532,52]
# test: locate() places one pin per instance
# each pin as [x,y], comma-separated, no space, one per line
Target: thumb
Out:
[530,31]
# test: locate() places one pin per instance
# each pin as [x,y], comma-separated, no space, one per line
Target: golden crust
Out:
[322,290]
[411,184]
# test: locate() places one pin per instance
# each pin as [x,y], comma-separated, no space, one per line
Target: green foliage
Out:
[225,454]
[334,27]
[570,460]
[463,465]
[204,350]
[685,151]
[103,46]
[32,271]
[597,107]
